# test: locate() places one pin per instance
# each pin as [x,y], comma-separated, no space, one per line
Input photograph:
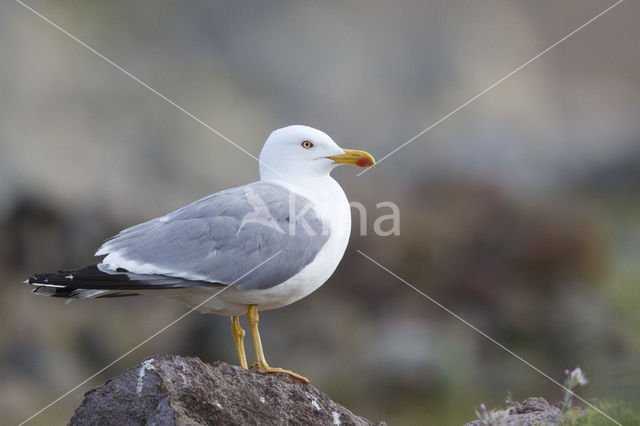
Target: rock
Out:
[532,411]
[530,405]
[175,390]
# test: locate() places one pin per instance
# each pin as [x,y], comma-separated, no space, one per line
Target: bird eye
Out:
[307,144]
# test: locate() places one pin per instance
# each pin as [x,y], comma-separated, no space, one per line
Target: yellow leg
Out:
[238,335]
[261,365]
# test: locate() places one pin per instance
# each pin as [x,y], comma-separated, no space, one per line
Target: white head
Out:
[302,151]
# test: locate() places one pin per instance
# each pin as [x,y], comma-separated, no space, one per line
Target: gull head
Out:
[301,151]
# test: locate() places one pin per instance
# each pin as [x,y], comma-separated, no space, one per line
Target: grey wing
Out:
[222,237]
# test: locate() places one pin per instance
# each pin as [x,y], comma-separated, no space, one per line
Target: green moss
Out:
[620,411]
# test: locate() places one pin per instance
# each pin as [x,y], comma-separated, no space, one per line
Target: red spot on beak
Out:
[363,163]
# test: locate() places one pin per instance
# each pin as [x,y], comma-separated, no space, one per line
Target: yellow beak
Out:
[354,157]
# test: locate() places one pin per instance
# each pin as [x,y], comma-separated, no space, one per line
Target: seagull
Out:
[247,249]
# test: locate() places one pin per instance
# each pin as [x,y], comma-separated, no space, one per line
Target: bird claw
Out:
[265,369]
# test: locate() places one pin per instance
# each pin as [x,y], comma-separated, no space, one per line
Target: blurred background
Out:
[521,212]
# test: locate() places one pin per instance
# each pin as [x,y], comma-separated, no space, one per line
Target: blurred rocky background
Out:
[521,212]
